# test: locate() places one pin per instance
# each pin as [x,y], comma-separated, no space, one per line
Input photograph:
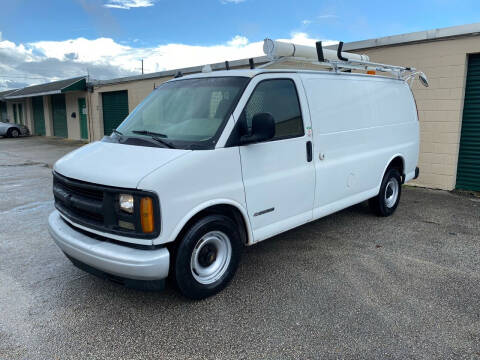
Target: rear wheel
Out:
[386,202]
[13,133]
[207,257]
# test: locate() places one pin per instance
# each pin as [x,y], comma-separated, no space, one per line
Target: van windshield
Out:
[185,113]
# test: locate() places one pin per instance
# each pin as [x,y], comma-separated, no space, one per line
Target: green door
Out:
[468,170]
[82,114]
[59,116]
[38,115]
[20,113]
[15,119]
[115,109]
[3,111]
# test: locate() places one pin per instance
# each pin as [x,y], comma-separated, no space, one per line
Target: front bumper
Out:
[111,258]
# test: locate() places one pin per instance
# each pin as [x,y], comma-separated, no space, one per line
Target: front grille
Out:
[96,206]
[81,191]
[78,200]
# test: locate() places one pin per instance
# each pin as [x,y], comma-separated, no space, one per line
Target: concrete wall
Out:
[440,106]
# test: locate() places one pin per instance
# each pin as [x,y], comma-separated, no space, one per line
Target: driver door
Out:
[278,174]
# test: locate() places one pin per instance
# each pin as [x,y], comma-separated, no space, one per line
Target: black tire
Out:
[13,133]
[386,202]
[203,242]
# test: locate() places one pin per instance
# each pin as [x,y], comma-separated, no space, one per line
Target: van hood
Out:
[114,164]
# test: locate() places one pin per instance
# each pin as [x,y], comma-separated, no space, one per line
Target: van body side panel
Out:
[193,182]
[359,125]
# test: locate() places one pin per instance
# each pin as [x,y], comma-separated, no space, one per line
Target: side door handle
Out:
[309,151]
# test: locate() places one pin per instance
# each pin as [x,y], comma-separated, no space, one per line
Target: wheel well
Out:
[397,163]
[227,210]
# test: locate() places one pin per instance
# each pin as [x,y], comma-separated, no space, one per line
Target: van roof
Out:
[250,73]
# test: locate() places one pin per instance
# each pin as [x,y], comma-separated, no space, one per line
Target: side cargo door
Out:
[278,175]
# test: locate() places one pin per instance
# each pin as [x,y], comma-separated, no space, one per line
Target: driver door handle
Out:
[309,151]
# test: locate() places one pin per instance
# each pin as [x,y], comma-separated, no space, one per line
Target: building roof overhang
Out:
[51,88]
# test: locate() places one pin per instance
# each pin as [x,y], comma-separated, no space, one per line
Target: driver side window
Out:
[279,98]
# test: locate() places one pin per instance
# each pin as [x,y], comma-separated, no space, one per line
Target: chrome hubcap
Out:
[15,133]
[211,257]
[391,192]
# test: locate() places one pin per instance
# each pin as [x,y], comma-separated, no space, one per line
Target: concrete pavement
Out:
[349,286]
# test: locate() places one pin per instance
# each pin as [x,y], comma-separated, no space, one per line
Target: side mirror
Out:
[263,129]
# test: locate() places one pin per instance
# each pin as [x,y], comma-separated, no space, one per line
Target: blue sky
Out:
[49,39]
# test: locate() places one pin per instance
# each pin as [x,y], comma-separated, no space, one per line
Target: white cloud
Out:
[43,61]
[128,4]
[238,41]
[302,38]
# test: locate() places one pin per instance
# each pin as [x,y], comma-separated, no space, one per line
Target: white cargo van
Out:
[212,162]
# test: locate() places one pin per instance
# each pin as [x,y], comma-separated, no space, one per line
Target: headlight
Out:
[126,203]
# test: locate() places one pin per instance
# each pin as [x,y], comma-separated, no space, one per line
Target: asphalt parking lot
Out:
[350,285]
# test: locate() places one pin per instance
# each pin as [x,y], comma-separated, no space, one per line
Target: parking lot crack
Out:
[27,163]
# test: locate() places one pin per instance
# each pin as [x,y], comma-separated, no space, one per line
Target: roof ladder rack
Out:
[337,61]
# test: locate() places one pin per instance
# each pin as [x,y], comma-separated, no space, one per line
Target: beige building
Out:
[445,56]
[449,110]
[58,108]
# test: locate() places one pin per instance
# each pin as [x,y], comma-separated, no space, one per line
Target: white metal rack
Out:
[343,62]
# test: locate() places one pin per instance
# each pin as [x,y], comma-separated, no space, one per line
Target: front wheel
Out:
[207,257]
[13,133]
[386,202]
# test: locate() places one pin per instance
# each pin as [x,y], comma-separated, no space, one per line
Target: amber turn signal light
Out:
[146,215]
[371,72]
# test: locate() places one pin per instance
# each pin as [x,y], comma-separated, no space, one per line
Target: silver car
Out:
[13,130]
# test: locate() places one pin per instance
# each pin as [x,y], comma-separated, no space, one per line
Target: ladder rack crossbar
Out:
[335,65]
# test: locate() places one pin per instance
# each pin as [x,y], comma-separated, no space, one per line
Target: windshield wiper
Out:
[155,136]
[147,132]
[115,131]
